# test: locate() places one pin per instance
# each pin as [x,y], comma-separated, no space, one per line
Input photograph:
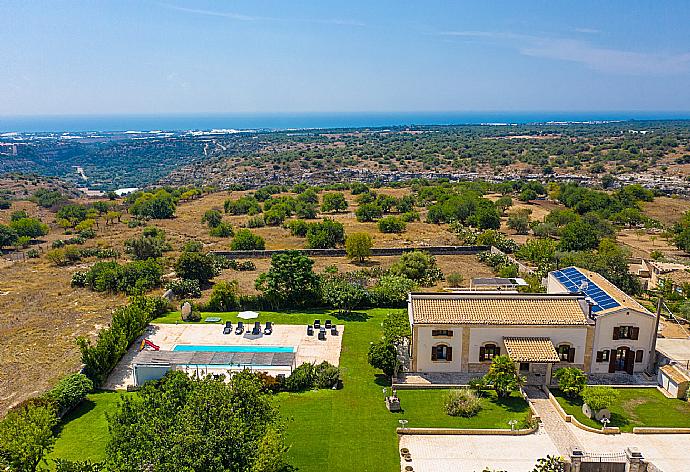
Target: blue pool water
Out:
[191,347]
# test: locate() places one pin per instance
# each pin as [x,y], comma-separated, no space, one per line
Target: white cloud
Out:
[585,53]
[242,17]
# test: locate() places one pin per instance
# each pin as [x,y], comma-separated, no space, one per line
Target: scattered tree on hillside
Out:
[358,246]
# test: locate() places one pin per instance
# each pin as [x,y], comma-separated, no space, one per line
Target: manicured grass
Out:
[424,408]
[285,317]
[634,407]
[327,430]
[84,432]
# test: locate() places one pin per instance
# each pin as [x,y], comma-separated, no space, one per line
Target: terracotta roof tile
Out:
[497,309]
[531,349]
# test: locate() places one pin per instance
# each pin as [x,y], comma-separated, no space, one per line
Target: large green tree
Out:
[186,424]
[26,436]
[8,236]
[195,266]
[290,281]
[503,376]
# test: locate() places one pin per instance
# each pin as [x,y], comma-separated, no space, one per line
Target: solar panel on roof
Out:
[575,281]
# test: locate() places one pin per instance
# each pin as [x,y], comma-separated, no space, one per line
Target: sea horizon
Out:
[309,120]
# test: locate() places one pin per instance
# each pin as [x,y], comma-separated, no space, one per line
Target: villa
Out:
[582,321]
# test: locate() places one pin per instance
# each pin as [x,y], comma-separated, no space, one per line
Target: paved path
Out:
[553,424]
[472,453]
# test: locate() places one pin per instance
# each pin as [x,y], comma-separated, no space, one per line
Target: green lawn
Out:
[635,407]
[424,408]
[341,430]
[85,430]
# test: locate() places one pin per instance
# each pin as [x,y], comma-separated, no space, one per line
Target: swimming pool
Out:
[206,348]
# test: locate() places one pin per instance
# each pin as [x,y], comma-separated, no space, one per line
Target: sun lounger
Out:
[257,328]
[322,335]
[269,328]
[240,328]
[310,330]
[334,330]
[317,324]
[328,324]
[228,327]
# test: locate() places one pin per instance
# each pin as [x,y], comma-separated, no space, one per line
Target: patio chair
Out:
[257,328]
[310,330]
[322,334]
[328,324]
[228,327]
[317,324]
[240,328]
[269,328]
[334,330]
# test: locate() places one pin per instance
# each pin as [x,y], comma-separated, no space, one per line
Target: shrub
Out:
[256,222]
[70,391]
[222,230]
[391,290]
[325,235]
[333,202]
[462,402]
[341,293]
[224,297]
[571,380]
[29,227]
[212,218]
[358,246]
[302,378]
[368,212]
[599,398]
[326,375]
[454,279]
[418,266]
[184,288]
[298,228]
[410,216]
[159,205]
[195,266]
[383,355]
[32,253]
[391,224]
[243,206]
[193,246]
[245,240]
[133,278]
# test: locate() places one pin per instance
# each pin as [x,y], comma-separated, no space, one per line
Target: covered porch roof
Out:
[531,349]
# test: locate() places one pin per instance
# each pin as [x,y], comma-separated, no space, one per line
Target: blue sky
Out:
[233,56]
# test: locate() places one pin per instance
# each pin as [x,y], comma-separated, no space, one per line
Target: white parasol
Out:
[247,315]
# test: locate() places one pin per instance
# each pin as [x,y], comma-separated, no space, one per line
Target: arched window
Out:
[488,351]
[566,353]
[441,352]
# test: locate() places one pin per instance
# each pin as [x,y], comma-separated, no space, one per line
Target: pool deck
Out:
[167,336]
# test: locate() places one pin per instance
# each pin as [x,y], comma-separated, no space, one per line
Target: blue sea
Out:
[286,121]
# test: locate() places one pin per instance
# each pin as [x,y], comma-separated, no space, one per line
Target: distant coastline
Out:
[298,121]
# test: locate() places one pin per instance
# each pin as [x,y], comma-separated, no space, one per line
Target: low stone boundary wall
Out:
[571,419]
[650,430]
[457,432]
[377,251]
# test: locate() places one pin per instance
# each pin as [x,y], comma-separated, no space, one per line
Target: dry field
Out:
[666,209]
[41,315]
